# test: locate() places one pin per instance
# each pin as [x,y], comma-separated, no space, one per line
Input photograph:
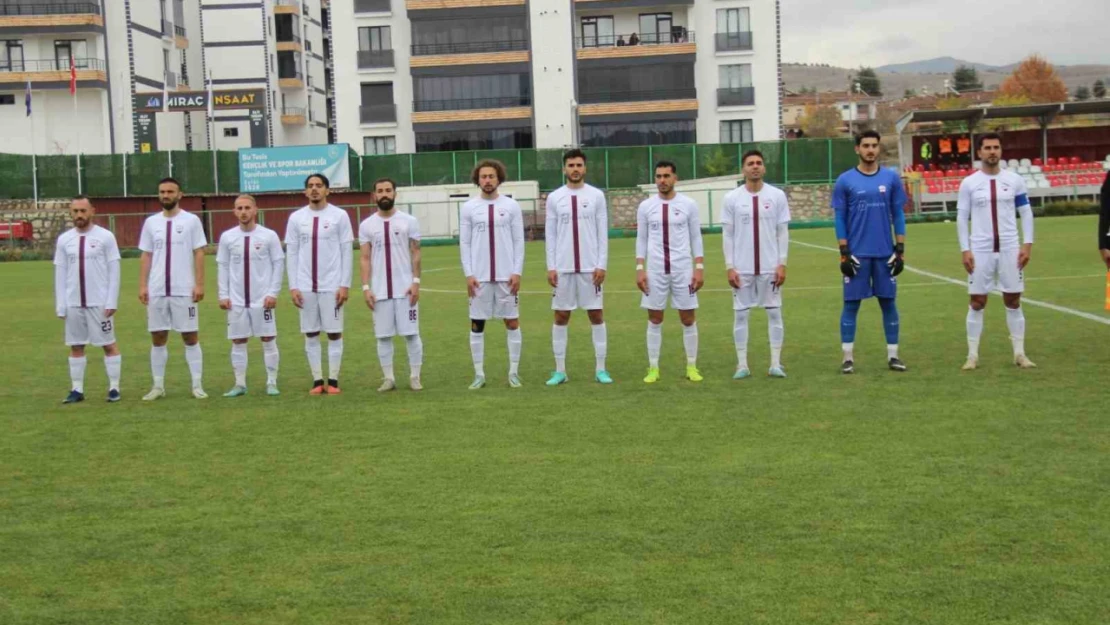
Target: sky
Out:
[850,33]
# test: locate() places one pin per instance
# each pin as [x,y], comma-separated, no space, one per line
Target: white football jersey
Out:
[318,244]
[86,270]
[390,256]
[751,221]
[251,266]
[491,239]
[171,243]
[576,230]
[992,203]
[668,234]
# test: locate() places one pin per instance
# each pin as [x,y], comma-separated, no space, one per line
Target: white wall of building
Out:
[349,78]
[764,61]
[552,32]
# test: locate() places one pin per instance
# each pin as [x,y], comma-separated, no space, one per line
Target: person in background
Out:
[1104,223]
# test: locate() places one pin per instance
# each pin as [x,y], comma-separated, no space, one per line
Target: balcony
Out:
[377,113]
[469,47]
[287,7]
[426,5]
[372,6]
[288,42]
[611,46]
[290,80]
[424,106]
[471,115]
[638,96]
[372,59]
[72,17]
[50,70]
[733,42]
[736,96]
[294,116]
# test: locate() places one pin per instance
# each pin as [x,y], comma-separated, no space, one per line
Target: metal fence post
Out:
[710,193]
[80,190]
[412,178]
[694,159]
[606,169]
[651,164]
[169,155]
[829,143]
[454,168]
[125,174]
[519,166]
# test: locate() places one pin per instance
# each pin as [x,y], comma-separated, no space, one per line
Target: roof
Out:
[974,114]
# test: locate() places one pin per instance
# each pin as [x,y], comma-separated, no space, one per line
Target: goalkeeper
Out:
[867,202]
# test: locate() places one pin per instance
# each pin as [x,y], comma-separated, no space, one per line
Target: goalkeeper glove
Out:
[849,265]
[895,261]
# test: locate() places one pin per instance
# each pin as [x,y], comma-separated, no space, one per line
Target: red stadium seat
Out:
[1037,162]
[1074,160]
[1051,161]
[934,189]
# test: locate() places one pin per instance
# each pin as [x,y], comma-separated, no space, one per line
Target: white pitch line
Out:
[1031,302]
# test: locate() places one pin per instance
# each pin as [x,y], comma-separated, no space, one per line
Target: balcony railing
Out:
[372,6]
[53,8]
[648,39]
[50,65]
[179,30]
[603,97]
[736,96]
[288,3]
[469,47]
[377,113]
[728,42]
[368,59]
[423,106]
[287,37]
[290,74]
[293,111]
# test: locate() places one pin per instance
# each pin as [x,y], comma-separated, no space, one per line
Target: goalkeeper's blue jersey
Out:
[866,207]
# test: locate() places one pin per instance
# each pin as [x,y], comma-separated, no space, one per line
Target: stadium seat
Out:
[934,189]
[1038,162]
[1074,160]
[1025,162]
[1035,169]
[1013,163]
[1051,161]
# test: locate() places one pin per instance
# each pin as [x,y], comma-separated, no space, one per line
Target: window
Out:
[377,93]
[11,56]
[289,65]
[639,133]
[444,93]
[597,31]
[736,131]
[374,38]
[735,76]
[231,132]
[655,27]
[64,50]
[376,146]
[487,34]
[165,63]
[285,27]
[733,20]
[458,140]
[7,99]
[658,81]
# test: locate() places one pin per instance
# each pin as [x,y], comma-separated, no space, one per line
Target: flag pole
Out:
[34,159]
[73,94]
[212,134]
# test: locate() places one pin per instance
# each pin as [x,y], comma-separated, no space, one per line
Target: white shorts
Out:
[996,269]
[243,323]
[576,290]
[756,291]
[394,317]
[88,325]
[320,314]
[676,285]
[494,301]
[178,313]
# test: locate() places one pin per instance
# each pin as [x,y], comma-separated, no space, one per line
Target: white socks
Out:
[158,358]
[848,349]
[312,351]
[740,337]
[690,342]
[559,347]
[776,332]
[516,341]
[891,351]
[195,358]
[478,352]
[335,358]
[974,331]
[239,363]
[600,336]
[415,348]
[385,356]
[654,343]
[112,365]
[77,373]
[1015,320]
[270,358]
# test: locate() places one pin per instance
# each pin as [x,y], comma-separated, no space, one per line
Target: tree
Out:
[966,79]
[909,93]
[868,82]
[1036,79]
[1082,93]
[1099,89]
[821,122]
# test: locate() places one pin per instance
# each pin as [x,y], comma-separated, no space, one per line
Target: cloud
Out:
[850,33]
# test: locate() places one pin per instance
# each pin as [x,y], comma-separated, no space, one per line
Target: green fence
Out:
[121,175]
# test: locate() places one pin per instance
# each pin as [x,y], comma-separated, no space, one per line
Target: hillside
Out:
[895,83]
